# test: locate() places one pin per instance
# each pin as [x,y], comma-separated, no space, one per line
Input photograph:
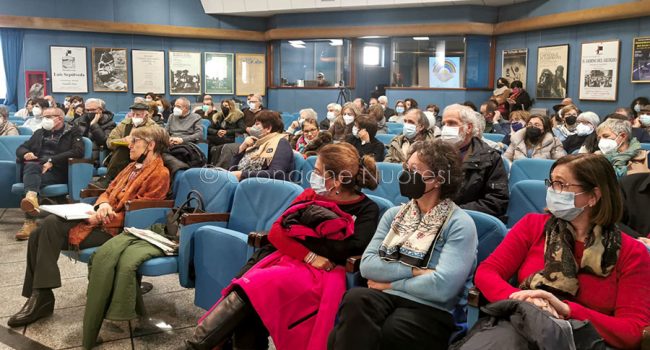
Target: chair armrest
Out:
[145,204]
[645,338]
[353,263]
[91,192]
[258,239]
[80,161]
[474,297]
[194,218]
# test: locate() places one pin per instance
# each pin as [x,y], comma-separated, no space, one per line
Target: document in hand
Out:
[76,211]
[168,247]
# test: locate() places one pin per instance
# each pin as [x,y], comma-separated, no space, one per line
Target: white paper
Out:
[76,211]
[167,246]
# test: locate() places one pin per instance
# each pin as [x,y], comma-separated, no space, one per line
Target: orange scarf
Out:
[151,183]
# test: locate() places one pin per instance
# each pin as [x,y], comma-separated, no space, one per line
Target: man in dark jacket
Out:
[388,112]
[485,187]
[96,124]
[45,161]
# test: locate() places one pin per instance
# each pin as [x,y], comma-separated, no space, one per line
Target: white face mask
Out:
[66,104]
[178,112]
[355,131]
[562,205]
[451,134]
[36,111]
[317,184]
[637,108]
[584,129]
[607,145]
[252,105]
[137,121]
[349,119]
[161,109]
[331,116]
[644,119]
[409,130]
[148,99]
[47,124]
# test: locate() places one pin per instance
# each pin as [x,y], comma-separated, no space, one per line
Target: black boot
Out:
[39,305]
[220,323]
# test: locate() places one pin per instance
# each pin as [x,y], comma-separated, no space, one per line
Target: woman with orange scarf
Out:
[145,178]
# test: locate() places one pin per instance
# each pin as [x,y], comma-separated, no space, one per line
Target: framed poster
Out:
[513,65]
[69,71]
[599,70]
[110,70]
[184,73]
[148,69]
[552,71]
[219,78]
[35,84]
[641,60]
[445,75]
[251,74]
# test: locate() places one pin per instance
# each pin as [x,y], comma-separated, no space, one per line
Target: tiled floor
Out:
[170,306]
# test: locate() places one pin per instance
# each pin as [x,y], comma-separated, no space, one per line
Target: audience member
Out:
[26,112]
[146,178]
[480,129]
[388,112]
[363,138]
[296,126]
[225,124]
[7,128]
[566,122]
[206,110]
[360,105]
[471,105]
[39,106]
[183,126]
[488,109]
[409,104]
[519,99]
[638,132]
[419,264]
[312,267]
[45,162]
[500,96]
[624,153]
[535,141]
[641,125]
[416,128]
[255,106]
[96,124]
[565,102]
[637,104]
[398,117]
[333,111]
[635,189]
[376,112]
[51,102]
[594,272]
[585,139]
[437,117]
[342,125]
[373,101]
[517,121]
[309,133]
[163,109]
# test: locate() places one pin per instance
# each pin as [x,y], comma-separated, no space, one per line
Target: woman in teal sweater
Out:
[419,264]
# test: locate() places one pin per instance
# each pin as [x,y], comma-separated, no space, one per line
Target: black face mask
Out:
[412,185]
[225,111]
[533,134]
[571,120]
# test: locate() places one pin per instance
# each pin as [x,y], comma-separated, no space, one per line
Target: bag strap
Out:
[196,195]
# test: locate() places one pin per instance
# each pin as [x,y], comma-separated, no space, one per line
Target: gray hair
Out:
[259,97]
[424,121]
[335,106]
[467,115]
[138,99]
[185,101]
[382,99]
[98,101]
[4,112]
[480,125]
[309,113]
[617,126]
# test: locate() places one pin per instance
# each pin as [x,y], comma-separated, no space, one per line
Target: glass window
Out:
[314,63]
[372,55]
[3,79]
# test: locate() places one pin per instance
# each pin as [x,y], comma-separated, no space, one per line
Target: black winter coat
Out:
[97,132]
[70,146]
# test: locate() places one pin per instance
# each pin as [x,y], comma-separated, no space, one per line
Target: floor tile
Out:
[163,341]
[123,344]
[14,273]
[164,284]
[175,310]
[15,252]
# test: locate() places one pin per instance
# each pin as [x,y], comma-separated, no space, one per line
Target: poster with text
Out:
[599,70]
[251,74]
[552,71]
[513,65]
[641,60]
[444,73]
[184,73]
[218,70]
[69,71]
[110,70]
[148,71]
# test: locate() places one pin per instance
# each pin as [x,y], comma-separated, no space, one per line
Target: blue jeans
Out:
[34,180]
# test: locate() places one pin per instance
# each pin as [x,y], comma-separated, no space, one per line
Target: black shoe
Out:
[39,305]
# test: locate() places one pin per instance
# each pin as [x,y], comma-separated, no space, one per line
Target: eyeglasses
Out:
[405,166]
[50,116]
[309,131]
[558,186]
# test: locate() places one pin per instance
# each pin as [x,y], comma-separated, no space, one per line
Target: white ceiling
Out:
[265,8]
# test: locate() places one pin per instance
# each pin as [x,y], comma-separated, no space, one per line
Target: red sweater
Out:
[617,305]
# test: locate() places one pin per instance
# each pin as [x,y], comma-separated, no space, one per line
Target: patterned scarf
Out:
[412,235]
[560,272]
[260,155]
[620,160]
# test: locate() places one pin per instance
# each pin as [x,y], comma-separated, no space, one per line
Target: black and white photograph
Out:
[599,70]
[184,73]
[110,70]
[641,60]
[552,72]
[69,70]
[513,65]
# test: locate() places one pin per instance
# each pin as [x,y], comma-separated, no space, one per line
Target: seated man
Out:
[416,128]
[34,122]
[146,178]
[96,124]
[255,106]
[183,126]
[7,128]
[45,161]
[485,187]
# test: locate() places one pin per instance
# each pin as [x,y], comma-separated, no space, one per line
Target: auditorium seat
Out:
[388,187]
[8,146]
[529,169]
[526,196]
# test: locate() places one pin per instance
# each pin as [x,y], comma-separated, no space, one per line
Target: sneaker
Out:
[29,204]
[28,226]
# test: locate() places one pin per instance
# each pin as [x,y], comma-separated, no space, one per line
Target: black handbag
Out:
[175,215]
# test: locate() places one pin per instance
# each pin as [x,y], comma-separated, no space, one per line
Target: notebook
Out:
[76,211]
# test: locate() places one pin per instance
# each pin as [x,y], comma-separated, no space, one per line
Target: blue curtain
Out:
[12,50]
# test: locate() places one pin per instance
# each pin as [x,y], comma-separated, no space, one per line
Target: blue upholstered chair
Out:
[288,118]
[385,138]
[529,169]
[526,196]
[395,128]
[494,137]
[306,170]
[8,147]
[220,252]
[383,204]
[506,164]
[297,175]
[645,146]
[388,183]
[23,130]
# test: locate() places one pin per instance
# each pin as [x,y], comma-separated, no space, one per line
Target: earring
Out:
[338,192]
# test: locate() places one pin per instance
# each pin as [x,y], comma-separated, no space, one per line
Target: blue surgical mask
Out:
[516,126]
[562,204]
[399,110]
[317,184]
[409,130]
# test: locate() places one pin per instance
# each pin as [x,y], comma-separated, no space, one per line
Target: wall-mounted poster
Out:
[552,71]
[641,60]
[513,65]
[219,77]
[251,74]
[599,70]
[35,84]
[445,74]
[110,70]
[148,71]
[69,71]
[184,73]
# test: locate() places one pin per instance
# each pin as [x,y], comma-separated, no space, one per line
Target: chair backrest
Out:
[217,187]
[9,145]
[506,164]
[395,128]
[119,117]
[526,196]
[383,204]
[206,125]
[287,119]
[529,169]
[259,202]
[388,183]
[490,232]
[88,148]
[494,137]
[296,175]
[23,130]
[307,168]
[385,138]
[645,146]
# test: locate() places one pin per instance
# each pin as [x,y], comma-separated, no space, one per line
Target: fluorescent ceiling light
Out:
[298,46]
[336,42]
[296,42]
[420,38]
[373,37]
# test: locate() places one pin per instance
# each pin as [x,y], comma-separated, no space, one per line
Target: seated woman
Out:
[304,114]
[266,153]
[145,178]
[418,265]
[7,128]
[566,122]
[376,112]
[518,120]
[310,139]
[585,139]
[623,152]
[596,273]
[306,272]
[341,127]
[535,141]
[399,113]
[363,138]
[224,127]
